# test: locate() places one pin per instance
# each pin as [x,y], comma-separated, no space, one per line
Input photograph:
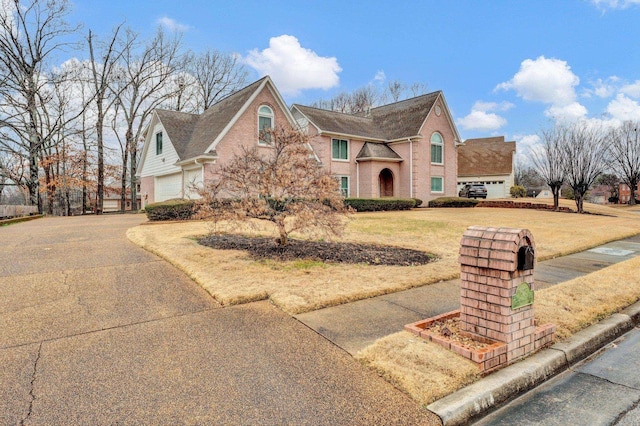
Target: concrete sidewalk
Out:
[354,326]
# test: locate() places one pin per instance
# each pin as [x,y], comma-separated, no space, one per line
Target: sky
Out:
[506,67]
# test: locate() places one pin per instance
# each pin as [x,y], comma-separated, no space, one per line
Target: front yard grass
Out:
[233,277]
[422,369]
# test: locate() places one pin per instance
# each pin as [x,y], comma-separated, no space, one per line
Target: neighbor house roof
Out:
[395,121]
[486,157]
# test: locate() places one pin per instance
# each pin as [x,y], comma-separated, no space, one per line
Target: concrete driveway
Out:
[95,330]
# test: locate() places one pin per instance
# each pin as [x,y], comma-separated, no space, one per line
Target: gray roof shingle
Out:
[377,150]
[388,122]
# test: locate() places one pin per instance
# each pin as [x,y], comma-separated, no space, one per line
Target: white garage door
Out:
[192,183]
[168,187]
[495,189]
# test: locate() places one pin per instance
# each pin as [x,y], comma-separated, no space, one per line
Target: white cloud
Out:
[615,4]
[380,77]
[549,81]
[482,117]
[632,89]
[545,80]
[172,24]
[623,108]
[492,106]
[294,68]
[571,112]
[603,88]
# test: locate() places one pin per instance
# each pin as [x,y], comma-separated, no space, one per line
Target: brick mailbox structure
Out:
[496,299]
[497,290]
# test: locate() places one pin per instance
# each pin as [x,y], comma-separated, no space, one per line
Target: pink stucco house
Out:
[405,149]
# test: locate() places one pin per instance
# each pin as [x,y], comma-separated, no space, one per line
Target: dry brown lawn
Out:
[422,369]
[232,277]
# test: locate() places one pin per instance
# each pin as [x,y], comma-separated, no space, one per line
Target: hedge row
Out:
[171,210]
[453,202]
[186,209]
[381,204]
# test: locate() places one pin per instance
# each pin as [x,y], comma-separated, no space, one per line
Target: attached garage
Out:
[488,161]
[192,182]
[167,187]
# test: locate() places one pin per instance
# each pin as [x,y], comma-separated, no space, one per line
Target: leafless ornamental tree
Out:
[284,186]
[624,151]
[548,160]
[584,159]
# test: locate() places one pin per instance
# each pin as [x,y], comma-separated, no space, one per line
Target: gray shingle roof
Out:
[388,122]
[192,134]
[486,157]
[377,150]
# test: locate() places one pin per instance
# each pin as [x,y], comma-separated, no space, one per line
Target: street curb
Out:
[492,391]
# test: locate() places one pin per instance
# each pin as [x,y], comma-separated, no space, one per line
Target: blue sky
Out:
[505,67]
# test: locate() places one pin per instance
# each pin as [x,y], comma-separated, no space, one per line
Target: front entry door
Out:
[386,183]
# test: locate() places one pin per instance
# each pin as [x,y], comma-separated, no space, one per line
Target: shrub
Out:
[171,210]
[453,202]
[418,202]
[518,191]
[379,204]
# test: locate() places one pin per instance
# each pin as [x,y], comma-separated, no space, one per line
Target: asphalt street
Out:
[95,330]
[602,390]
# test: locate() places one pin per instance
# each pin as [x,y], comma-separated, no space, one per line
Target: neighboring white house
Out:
[488,161]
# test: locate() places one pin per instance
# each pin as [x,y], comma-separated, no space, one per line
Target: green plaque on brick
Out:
[523,296]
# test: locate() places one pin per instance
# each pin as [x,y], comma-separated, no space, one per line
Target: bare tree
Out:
[103,60]
[549,160]
[624,150]
[584,159]
[394,90]
[31,32]
[284,186]
[142,83]
[216,75]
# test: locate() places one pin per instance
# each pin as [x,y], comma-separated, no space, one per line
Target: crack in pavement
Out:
[32,385]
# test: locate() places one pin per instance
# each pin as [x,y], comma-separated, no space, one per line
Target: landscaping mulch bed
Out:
[450,329]
[331,252]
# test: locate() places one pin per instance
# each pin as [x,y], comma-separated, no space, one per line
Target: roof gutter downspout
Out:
[410,168]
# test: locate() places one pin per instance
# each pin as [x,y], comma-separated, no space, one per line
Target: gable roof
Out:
[193,135]
[486,157]
[394,121]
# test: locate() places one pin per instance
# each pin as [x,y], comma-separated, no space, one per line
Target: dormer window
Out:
[265,122]
[158,143]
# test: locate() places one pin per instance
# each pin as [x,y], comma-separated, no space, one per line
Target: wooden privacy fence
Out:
[15,211]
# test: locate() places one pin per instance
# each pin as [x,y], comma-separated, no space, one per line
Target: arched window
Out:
[437,147]
[265,121]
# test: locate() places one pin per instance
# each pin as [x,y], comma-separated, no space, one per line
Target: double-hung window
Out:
[437,146]
[437,184]
[339,149]
[344,185]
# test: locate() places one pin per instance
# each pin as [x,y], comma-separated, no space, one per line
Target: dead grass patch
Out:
[233,277]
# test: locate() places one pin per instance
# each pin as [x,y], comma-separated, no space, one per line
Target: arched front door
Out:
[386,183]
